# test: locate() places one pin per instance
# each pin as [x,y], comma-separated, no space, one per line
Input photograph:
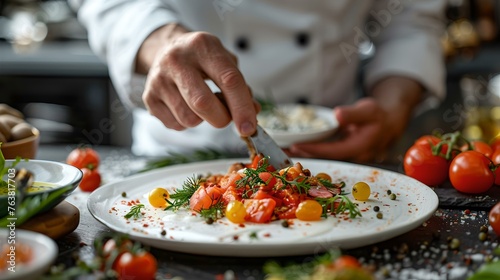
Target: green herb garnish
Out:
[135,211]
[339,204]
[181,196]
[213,213]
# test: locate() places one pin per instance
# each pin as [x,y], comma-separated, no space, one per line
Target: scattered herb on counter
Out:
[490,271]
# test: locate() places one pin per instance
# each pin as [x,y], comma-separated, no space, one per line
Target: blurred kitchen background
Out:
[49,73]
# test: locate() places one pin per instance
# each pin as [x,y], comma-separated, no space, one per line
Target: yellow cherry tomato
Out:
[309,210]
[361,191]
[236,211]
[324,176]
[158,197]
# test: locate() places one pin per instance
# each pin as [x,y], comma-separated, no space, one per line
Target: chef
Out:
[166,58]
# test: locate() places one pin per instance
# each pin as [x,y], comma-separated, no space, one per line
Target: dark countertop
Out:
[422,253]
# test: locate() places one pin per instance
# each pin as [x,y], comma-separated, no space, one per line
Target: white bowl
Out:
[43,249]
[304,123]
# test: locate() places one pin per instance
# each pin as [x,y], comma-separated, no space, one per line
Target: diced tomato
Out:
[269,180]
[291,173]
[259,210]
[285,212]
[257,161]
[231,193]
[261,194]
[205,197]
[230,180]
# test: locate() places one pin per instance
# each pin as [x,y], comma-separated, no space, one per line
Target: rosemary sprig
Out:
[181,197]
[252,179]
[339,204]
[135,211]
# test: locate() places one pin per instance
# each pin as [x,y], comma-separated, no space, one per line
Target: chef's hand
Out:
[177,63]
[371,125]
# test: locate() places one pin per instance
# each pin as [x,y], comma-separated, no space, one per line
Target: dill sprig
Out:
[213,213]
[339,204]
[180,197]
[135,211]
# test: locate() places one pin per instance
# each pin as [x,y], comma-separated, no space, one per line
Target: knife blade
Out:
[263,144]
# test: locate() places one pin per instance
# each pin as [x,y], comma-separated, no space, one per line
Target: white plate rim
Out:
[309,246]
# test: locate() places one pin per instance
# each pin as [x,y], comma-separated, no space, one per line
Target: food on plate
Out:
[158,197]
[470,166]
[87,160]
[256,192]
[297,118]
[361,191]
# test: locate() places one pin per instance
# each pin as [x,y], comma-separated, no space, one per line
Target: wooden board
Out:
[55,223]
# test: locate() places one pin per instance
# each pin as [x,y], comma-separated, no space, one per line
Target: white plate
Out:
[44,252]
[308,131]
[188,233]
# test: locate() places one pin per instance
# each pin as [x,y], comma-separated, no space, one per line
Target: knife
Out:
[261,143]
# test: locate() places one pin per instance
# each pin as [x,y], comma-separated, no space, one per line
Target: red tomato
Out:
[495,143]
[259,210]
[480,146]
[496,160]
[470,172]
[419,163]
[426,140]
[83,157]
[346,261]
[91,179]
[136,266]
[111,245]
[494,218]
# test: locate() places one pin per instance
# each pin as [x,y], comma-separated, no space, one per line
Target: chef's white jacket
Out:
[295,51]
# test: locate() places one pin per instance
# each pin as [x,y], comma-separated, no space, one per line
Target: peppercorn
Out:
[285,223]
[483,228]
[482,236]
[454,244]
[124,194]
[380,215]
[392,196]
[376,208]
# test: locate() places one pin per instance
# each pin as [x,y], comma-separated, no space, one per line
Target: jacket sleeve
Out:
[116,30]
[407,39]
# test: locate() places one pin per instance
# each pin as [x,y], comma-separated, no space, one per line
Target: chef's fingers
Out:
[163,100]
[360,112]
[200,99]
[222,69]
[345,149]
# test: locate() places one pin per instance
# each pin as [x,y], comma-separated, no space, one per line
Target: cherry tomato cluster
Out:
[471,166]
[88,160]
[126,259]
